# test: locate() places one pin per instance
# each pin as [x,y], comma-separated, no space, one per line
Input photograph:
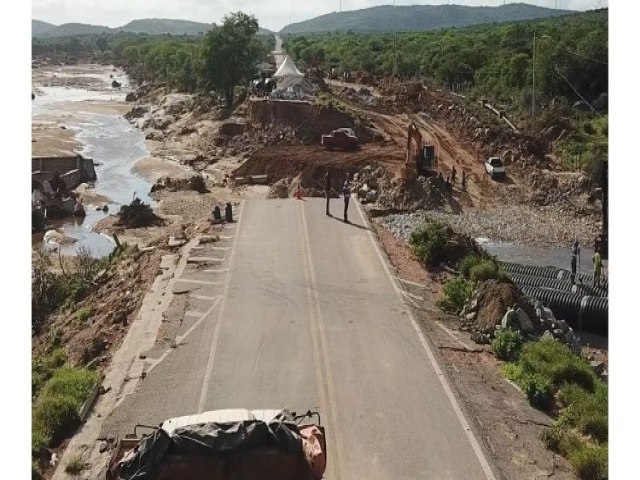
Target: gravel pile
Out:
[539,226]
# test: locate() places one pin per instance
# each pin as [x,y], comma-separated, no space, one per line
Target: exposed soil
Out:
[113,304]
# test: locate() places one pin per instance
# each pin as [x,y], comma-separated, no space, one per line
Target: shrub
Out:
[428,241]
[43,367]
[486,270]
[456,293]
[137,214]
[198,184]
[507,345]
[83,314]
[467,263]
[54,417]
[71,382]
[39,443]
[539,391]
[555,361]
[585,410]
[76,465]
[55,410]
[36,474]
[590,461]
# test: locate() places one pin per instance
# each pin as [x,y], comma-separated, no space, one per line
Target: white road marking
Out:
[204,259]
[215,270]
[180,338]
[199,282]
[216,333]
[202,297]
[443,380]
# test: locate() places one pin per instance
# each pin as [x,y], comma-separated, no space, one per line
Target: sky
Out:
[273,14]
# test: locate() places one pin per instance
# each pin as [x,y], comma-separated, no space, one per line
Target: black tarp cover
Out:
[211,438]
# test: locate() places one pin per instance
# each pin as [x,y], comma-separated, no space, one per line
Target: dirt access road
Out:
[481,191]
[296,309]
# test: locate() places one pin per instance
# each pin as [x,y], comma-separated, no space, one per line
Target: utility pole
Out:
[533,81]
[604,246]
[395,50]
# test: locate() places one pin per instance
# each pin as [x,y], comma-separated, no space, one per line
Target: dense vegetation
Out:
[496,61]
[417,18]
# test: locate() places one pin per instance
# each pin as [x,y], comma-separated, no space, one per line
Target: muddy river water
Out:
[81,99]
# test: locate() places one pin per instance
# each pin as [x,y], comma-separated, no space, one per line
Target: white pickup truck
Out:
[495,167]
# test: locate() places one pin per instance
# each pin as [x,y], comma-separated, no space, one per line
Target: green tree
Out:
[230,53]
[102,43]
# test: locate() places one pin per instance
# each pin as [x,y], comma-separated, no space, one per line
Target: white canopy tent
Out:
[288,69]
[291,81]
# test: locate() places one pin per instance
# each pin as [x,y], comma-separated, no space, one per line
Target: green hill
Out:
[149,26]
[72,29]
[159,26]
[39,28]
[418,18]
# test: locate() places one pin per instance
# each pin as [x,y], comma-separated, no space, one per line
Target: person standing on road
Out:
[597,267]
[575,253]
[346,192]
[327,189]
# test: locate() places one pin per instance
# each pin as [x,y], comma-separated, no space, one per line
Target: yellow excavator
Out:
[421,158]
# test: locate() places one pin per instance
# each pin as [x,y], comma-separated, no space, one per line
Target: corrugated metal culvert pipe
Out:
[529,280]
[582,312]
[551,272]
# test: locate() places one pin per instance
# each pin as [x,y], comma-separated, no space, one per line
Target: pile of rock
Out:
[556,329]
[366,183]
[496,306]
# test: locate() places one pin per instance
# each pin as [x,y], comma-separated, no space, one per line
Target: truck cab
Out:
[341,138]
[494,167]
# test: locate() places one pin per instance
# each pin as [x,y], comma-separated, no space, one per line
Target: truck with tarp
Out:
[233,444]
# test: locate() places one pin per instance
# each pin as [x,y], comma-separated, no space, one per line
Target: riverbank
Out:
[76,110]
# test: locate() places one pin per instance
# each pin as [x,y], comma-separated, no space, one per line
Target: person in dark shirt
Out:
[327,189]
[575,255]
[346,192]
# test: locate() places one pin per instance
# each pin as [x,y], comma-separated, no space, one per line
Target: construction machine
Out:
[419,155]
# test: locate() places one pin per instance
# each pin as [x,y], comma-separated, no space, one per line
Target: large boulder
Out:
[137,111]
[177,103]
[162,122]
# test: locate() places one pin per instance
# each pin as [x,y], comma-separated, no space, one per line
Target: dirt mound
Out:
[420,193]
[308,120]
[492,300]
[288,161]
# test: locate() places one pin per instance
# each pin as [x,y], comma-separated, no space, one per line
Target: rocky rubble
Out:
[539,226]
[496,306]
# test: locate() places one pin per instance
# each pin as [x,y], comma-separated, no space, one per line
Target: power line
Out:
[557,70]
[583,56]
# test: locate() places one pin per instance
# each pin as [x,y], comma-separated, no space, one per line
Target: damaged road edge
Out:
[121,377]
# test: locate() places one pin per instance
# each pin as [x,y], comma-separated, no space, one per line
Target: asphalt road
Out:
[296,309]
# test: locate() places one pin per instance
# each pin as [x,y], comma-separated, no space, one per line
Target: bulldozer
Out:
[421,159]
